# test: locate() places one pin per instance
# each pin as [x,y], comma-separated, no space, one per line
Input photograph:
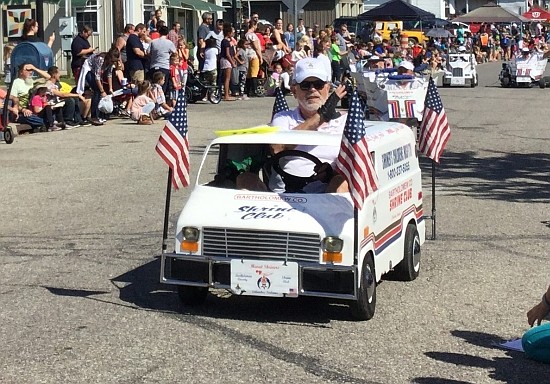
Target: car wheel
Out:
[8,136]
[505,82]
[363,308]
[409,268]
[192,296]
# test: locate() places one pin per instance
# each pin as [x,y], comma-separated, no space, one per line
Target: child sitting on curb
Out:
[143,105]
[161,106]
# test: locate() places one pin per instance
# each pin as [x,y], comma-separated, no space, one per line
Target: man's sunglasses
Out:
[317,84]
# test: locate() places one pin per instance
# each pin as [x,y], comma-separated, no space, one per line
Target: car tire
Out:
[8,136]
[192,296]
[409,268]
[505,82]
[364,307]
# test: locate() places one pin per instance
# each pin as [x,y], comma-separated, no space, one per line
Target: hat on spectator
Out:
[407,65]
[311,67]
[374,58]
[525,50]
[462,49]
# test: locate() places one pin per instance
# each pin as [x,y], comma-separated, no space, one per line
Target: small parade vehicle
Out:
[392,97]
[523,72]
[293,243]
[460,70]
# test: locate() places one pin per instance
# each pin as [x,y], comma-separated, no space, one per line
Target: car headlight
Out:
[332,244]
[190,233]
[190,239]
[332,249]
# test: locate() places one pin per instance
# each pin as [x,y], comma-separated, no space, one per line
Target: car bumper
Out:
[319,280]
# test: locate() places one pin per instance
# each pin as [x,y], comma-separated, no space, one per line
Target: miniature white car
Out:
[294,244]
[392,97]
[523,72]
[460,70]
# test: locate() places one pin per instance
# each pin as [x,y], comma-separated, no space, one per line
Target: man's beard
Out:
[311,106]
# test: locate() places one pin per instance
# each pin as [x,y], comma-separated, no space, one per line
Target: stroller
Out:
[196,89]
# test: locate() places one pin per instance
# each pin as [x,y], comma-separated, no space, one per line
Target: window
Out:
[87,15]
[148,8]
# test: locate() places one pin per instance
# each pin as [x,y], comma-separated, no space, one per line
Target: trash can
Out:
[37,54]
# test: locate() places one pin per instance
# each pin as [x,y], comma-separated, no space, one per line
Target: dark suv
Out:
[355,26]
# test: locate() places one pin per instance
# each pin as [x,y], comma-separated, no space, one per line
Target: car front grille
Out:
[246,244]
[457,72]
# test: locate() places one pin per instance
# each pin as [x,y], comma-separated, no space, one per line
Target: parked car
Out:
[406,28]
[355,26]
[456,24]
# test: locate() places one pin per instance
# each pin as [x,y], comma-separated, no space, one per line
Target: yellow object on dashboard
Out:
[244,131]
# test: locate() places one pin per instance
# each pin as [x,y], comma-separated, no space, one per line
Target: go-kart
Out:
[523,72]
[460,70]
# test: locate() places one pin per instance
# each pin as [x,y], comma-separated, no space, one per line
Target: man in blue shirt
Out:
[135,54]
[80,50]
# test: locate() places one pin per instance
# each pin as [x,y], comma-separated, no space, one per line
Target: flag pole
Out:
[433,201]
[356,236]
[167,210]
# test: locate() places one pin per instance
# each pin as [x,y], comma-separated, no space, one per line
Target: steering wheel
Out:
[294,183]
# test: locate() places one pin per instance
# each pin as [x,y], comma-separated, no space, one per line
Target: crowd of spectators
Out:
[150,63]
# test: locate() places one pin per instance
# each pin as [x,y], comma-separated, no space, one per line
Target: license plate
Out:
[458,81]
[264,278]
[523,79]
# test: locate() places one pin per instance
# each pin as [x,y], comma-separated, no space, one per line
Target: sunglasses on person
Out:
[317,84]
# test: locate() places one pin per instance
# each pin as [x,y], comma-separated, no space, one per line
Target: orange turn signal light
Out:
[332,257]
[189,246]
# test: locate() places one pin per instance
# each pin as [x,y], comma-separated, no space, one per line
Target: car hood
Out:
[326,214]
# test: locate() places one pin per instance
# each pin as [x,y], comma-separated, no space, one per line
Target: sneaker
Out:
[244,97]
[96,122]
[102,120]
[71,125]
[61,125]
[86,123]
[54,128]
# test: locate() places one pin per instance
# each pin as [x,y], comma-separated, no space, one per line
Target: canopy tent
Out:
[537,14]
[396,10]
[491,13]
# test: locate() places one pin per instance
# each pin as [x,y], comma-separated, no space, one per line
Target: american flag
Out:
[280,104]
[173,145]
[434,129]
[354,161]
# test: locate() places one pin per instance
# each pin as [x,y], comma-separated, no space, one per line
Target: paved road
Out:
[80,301]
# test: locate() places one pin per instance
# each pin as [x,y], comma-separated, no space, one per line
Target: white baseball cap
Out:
[311,67]
[525,49]
[462,49]
[407,65]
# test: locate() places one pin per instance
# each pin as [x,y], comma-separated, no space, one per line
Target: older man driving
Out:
[316,111]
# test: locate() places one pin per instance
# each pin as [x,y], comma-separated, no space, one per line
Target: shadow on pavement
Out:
[513,369]
[438,380]
[514,177]
[141,287]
